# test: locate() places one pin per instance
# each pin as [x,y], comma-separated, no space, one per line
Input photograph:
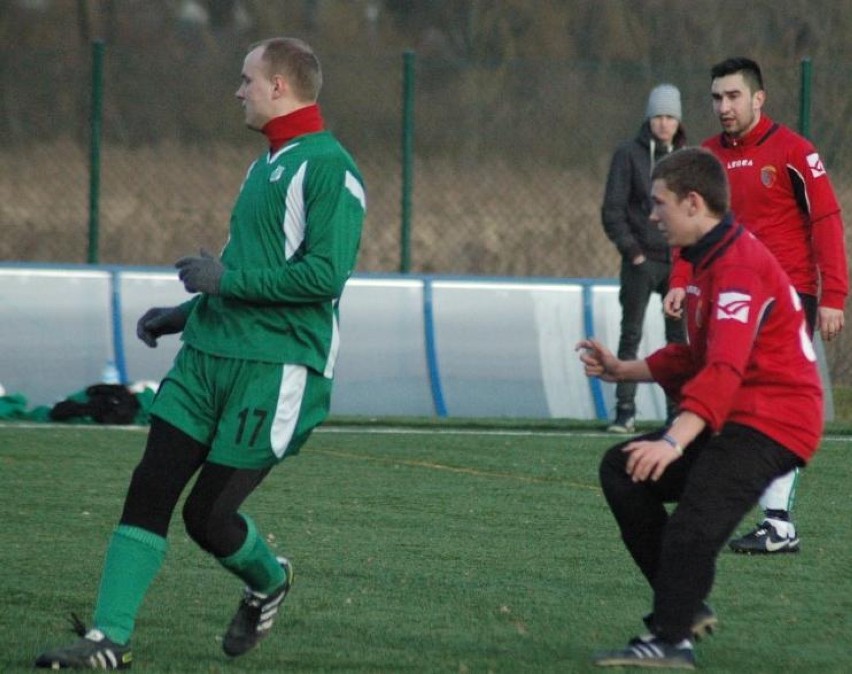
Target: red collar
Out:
[281,130]
[753,137]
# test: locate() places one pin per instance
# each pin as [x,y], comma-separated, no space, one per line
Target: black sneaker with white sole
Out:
[93,650]
[764,540]
[624,422]
[650,652]
[255,615]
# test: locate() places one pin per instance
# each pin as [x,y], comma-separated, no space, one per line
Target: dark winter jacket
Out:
[627,199]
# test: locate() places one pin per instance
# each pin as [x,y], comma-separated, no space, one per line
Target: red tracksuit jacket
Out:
[781,192]
[749,359]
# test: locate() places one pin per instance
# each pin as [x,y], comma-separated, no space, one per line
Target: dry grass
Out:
[158,202]
[468,218]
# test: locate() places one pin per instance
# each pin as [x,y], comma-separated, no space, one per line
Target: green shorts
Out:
[251,414]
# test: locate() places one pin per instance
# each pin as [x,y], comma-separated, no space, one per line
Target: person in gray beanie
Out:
[645,255]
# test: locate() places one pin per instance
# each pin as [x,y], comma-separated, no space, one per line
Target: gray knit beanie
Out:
[664,100]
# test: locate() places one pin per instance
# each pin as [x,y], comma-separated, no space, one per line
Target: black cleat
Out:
[91,651]
[764,540]
[255,615]
[651,652]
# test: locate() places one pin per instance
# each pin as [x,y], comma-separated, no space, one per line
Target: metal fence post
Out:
[95,148]
[805,130]
[805,98]
[407,159]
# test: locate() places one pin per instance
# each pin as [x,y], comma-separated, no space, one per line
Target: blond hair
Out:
[296,62]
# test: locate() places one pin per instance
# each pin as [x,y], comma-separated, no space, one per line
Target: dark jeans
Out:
[810,305]
[637,284]
[715,484]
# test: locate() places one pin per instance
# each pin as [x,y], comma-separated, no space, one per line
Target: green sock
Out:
[255,563]
[133,558]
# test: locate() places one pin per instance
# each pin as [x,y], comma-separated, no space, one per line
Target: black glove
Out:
[200,274]
[159,321]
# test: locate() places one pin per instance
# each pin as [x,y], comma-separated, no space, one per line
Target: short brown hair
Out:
[296,61]
[746,67]
[695,169]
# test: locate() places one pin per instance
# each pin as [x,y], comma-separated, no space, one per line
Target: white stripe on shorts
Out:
[293,381]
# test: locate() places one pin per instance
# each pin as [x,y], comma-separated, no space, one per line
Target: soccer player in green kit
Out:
[253,377]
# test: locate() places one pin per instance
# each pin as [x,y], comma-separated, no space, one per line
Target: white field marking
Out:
[355,430]
[383,430]
[77,427]
[387,430]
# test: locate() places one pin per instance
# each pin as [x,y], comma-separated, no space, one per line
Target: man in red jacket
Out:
[750,408]
[781,192]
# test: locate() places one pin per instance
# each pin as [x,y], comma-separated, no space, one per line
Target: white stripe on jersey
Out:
[356,189]
[290,395]
[333,348]
[294,213]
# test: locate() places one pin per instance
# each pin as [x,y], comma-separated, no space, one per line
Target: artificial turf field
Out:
[418,547]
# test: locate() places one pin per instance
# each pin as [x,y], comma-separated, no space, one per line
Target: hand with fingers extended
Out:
[649,458]
[160,321]
[200,273]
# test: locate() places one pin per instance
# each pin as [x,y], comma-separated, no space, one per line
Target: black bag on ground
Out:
[105,404]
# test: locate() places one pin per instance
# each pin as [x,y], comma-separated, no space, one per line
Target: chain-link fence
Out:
[510,157]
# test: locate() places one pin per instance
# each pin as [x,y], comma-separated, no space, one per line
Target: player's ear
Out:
[758,99]
[694,202]
[279,86]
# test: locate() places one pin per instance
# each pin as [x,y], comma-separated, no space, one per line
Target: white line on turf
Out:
[384,430]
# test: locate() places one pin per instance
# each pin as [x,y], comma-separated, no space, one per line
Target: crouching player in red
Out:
[750,409]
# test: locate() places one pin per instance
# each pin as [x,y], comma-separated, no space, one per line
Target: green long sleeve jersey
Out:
[294,235]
